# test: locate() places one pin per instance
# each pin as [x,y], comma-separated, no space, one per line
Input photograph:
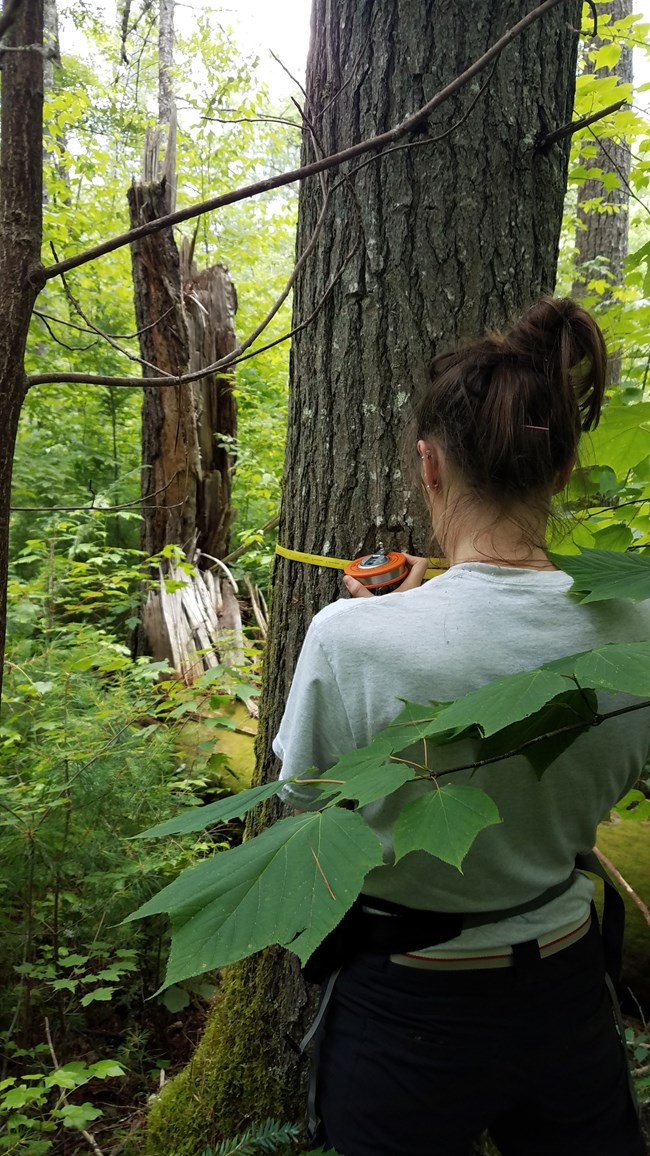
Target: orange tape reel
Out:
[383,568]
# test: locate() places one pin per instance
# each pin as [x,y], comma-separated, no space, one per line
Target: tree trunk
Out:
[422,246]
[602,231]
[21,183]
[185,319]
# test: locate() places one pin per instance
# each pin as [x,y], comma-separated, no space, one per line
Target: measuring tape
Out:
[438,565]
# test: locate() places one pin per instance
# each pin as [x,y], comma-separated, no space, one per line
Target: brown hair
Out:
[509,408]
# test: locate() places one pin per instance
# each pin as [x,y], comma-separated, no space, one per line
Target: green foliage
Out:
[600,574]
[271,1136]
[34,1106]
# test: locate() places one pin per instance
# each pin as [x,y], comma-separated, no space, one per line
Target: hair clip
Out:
[542,427]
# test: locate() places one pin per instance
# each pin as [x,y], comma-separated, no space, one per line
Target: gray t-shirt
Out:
[457,632]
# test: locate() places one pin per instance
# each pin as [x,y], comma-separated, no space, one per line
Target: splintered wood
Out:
[194,621]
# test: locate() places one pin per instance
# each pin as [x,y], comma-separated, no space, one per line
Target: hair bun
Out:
[558,337]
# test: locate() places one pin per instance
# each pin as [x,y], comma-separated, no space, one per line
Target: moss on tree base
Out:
[243,1070]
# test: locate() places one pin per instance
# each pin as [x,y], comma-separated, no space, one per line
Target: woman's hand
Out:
[415,577]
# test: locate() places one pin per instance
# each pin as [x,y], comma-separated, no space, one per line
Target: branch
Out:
[270,525]
[595,722]
[575,126]
[373,144]
[609,866]
[100,332]
[100,509]
[185,378]
[116,336]
[7,18]
[88,1137]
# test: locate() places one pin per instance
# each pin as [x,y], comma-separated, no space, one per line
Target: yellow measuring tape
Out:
[438,566]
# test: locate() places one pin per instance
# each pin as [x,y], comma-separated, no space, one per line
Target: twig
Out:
[116,336]
[576,125]
[609,866]
[594,13]
[372,144]
[290,75]
[99,509]
[88,1137]
[619,170]
[253,120]
[222,566]
[270,525]
[412,144]
[72,348]
[185,378]
[7,18]
[257,610]
[100,332]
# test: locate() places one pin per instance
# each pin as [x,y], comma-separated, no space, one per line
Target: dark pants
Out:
[418,1062]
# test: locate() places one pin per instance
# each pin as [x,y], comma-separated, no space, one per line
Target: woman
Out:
[508,1026]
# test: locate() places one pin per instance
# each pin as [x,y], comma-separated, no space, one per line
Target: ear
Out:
[432,462]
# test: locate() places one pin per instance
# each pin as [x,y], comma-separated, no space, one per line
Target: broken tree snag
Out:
[186,320]
[210,304]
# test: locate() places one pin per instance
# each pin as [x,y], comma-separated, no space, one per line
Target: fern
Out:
[270,1136]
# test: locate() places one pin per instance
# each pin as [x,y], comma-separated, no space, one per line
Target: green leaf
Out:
[444,822]
[200,818]
[175,998]
[499,703]
[99,993]
[616,536]
[601,574]
[633,806]
[621,440]
[623,667]
[370,782]
[78,1115]
[105,1068]
[565,710]
[290,886]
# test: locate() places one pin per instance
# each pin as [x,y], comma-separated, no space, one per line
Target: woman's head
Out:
[503,415]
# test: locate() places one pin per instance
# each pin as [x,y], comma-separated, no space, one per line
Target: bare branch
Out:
[374,144]
[575,125]
[253,120]
[613,870]
[100,332]
[116,336]
[72,348]
[99,509]
[184,379]
[7,18]
[270,525]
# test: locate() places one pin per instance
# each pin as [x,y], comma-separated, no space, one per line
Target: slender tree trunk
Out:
[21,182]
[603,220]
[422,246]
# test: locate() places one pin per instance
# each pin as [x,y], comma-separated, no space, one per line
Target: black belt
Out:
[411,929]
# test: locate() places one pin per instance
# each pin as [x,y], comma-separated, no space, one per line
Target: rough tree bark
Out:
[445,239]
[602,234]
[21,214]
